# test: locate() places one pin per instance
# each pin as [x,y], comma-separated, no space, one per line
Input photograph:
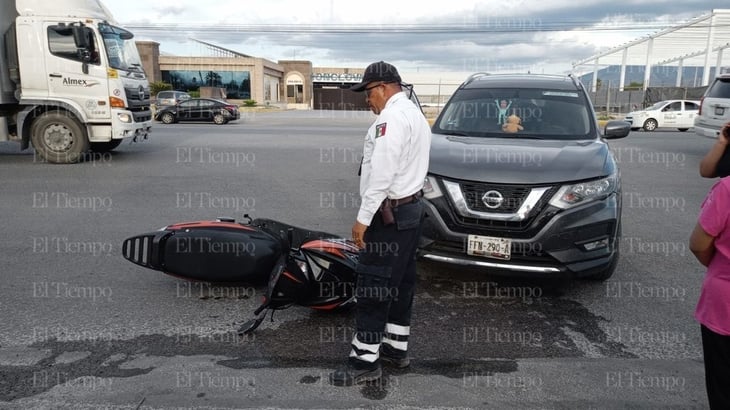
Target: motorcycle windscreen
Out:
[220,255]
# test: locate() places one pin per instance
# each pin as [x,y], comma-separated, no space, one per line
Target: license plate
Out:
[719,111]
[489,247]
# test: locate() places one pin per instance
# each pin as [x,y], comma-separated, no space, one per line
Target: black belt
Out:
[386,207]
[402,201]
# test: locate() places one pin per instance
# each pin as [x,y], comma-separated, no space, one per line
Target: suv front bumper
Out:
[555,244]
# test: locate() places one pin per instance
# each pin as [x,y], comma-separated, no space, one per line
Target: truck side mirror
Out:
[80,38]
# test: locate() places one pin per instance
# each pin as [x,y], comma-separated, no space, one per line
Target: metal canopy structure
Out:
[702,41]
[218,51]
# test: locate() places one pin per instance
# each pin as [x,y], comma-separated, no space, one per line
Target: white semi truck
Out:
[71,79]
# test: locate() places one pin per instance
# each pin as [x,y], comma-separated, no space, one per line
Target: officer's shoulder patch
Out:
[380,130]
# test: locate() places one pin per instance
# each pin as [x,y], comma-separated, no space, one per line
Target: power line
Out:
[507,26]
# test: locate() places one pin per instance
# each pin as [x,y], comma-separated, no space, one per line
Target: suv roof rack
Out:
[474,77]
[576,81]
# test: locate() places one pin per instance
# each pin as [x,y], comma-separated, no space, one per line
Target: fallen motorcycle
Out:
[303,267]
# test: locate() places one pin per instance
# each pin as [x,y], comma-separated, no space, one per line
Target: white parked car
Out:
[678,114]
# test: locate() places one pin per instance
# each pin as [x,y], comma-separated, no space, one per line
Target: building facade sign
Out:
[294,79]
[336,78]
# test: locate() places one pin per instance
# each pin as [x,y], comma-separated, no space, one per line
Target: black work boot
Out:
[355,373]
[394,357]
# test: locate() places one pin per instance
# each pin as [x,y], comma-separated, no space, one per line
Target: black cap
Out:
[380,71]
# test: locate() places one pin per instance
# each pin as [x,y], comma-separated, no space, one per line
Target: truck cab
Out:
[74,78]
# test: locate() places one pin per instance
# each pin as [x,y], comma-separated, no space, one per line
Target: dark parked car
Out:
[199,109]
[521,182]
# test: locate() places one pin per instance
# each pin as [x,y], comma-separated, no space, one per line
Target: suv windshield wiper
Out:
[458,133]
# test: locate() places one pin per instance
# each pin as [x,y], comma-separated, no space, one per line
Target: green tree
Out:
[157,86]
[212,79]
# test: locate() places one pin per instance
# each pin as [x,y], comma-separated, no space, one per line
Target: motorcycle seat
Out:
[299,235]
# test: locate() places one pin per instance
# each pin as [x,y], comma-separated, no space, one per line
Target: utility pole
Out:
[608,100]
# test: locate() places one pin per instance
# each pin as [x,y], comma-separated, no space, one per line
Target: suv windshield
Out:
[543,113]
[120,48]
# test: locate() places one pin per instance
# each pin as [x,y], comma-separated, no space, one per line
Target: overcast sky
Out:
[541,36]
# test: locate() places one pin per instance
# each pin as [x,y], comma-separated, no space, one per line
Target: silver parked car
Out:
[168,98]
[714,107]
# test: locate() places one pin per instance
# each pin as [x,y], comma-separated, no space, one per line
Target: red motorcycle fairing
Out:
[331,265]
[319,275]
[340,247]
[209,224]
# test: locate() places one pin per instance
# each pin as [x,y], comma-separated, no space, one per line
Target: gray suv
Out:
[170,98]
[521,182]
[714,108]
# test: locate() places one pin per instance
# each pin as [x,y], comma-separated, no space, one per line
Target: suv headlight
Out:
[569,196]
[431,188]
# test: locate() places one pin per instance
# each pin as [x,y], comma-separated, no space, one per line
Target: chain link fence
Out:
[612,102]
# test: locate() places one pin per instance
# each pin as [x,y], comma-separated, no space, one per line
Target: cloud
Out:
[172,10]
[461,35]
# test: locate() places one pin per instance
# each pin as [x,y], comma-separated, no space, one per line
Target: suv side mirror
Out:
[616,129]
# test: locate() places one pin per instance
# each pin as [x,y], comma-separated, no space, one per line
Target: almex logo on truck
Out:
[78,82]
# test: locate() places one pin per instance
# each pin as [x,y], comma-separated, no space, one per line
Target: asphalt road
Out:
[80,327]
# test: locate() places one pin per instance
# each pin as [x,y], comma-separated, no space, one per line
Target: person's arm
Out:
[702,245]
[708,165]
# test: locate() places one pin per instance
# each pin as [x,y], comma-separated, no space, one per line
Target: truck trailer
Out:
[71,79]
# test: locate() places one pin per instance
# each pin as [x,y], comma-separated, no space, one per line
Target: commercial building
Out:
[291,84]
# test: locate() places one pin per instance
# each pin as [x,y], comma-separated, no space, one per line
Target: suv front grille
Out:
[514,197]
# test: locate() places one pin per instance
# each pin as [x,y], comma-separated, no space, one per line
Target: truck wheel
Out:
[105,146]
[59,138]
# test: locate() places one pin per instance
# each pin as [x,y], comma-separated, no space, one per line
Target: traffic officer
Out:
[388,225]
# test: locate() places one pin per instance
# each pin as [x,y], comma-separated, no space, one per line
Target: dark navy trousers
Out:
[386,281]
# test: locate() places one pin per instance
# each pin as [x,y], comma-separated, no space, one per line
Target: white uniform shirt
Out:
[395,155]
